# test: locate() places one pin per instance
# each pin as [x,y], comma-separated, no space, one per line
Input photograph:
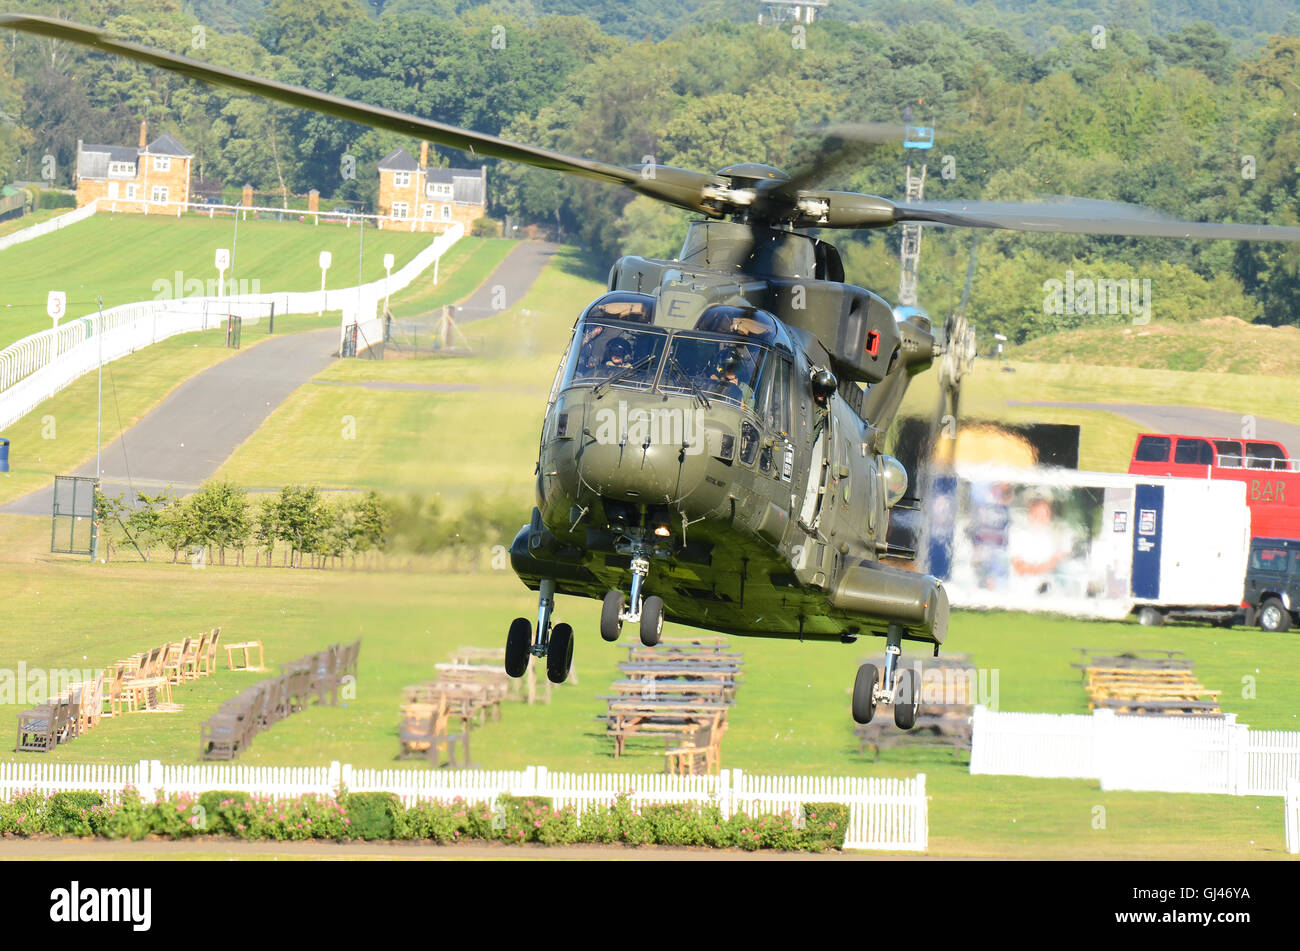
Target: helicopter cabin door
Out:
[823,453]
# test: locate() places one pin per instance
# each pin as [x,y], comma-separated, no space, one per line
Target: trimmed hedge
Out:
[381,816]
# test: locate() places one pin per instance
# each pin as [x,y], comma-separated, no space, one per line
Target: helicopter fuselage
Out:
[684,428]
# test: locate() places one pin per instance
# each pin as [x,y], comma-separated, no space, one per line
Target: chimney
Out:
[144,133]
[424,155]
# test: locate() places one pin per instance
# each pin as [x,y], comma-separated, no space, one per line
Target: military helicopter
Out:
[712,449]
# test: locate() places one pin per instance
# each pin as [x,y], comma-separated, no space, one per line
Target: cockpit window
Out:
[717,368]
[620,354]
[622,305]
[748,322]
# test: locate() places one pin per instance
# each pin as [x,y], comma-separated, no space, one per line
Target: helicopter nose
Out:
[644,451]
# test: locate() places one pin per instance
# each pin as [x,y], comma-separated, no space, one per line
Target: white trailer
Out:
[1093,544]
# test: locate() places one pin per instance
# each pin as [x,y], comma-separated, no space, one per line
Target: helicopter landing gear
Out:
[904,692]
[556,645]
[646,612]
[611,615]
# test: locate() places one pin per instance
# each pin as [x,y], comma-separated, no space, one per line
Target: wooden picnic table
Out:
[627,717]
[246,647]
[728,676]
[659,686]
[678,655]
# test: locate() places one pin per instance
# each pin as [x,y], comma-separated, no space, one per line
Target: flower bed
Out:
[382,816]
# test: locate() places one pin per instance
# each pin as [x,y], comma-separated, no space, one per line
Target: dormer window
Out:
[439,190]
[121,169]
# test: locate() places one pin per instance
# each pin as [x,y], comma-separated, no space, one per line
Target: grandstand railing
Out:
[38,366]
[1165,754]
[884,813]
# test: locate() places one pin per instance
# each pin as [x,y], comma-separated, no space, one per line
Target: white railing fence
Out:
[889,814]
[1167,754]
[38,366]
[47,227]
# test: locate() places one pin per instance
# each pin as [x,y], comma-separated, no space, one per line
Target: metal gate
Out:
[72,525]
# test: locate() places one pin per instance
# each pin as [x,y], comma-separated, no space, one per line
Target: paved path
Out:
[507,285]
[1190,420]
[187,437]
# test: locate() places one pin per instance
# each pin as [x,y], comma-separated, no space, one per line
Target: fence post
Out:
[335,774]
[723,789]
[921,814]
[1291,809]
[148,779]
[978,724]
[736,792]
[543,782]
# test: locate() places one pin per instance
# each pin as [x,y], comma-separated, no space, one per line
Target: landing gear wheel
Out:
[559,654]
[907,700]
[1274,617]
[652,620]
[864,693]
[518,645]
[610,624]
[1150,617]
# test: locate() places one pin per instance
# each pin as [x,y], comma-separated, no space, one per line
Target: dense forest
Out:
[1190,108]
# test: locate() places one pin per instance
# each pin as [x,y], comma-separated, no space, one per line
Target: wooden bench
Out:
[696,752]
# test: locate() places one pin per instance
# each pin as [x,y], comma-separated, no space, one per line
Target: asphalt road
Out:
[185,438]
[1189,420]
[507,285]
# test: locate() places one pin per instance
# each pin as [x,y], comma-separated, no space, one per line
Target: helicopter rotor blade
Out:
[1083,216]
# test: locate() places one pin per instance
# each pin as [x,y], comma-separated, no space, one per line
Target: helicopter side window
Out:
[607,351]
[777,415]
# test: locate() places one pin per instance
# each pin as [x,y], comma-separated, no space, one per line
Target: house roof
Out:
[93,160]
[166,145]
[398,160]
[467,184]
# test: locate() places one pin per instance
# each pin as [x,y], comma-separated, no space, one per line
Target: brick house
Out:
[151,178]
[431,198]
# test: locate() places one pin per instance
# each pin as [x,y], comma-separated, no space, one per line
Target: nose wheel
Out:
[647,613]
[903,692]
[553,643]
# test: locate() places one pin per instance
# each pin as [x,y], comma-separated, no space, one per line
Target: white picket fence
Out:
[1166,754]
[38,366]
[890,814]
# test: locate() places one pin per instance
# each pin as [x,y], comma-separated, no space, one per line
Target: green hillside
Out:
[137,257]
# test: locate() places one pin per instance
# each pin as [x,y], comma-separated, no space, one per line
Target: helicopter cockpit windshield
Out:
[614,353]
[720,369]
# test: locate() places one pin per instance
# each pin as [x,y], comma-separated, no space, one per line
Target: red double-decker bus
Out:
[1272,478]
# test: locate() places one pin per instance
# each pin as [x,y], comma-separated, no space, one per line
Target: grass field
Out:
[480,440]
[35,218]
[137,383]
[791,714]
[138,257]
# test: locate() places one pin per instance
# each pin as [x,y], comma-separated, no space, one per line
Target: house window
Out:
[437,190]
[401,209]
[112,189]
[122,169]
[402,179]
[159,194]
[428,211]
[446,212]
[130,190]
[162,163]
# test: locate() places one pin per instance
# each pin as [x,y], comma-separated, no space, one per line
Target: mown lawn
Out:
[791,715]
[128,258]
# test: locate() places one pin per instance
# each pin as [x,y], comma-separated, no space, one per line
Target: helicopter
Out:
[712,450]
